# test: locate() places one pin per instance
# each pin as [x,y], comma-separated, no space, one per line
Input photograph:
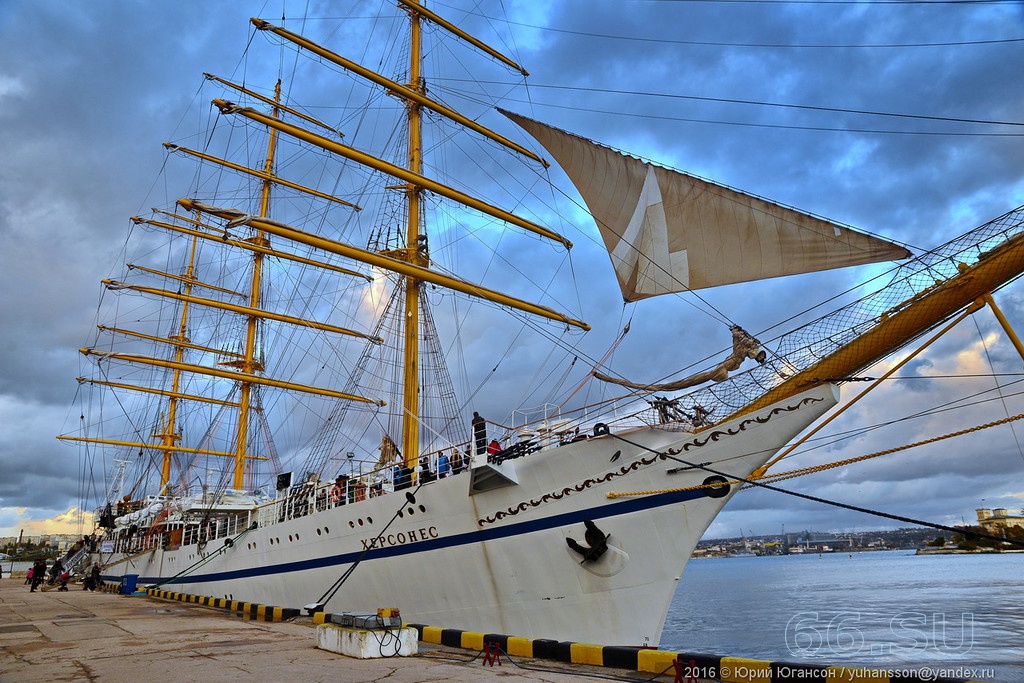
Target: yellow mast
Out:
[266,175]
[413,257]
[169,435]
[208,234]
[410,262]
[395,170]
[416,251]
[371,258]
[238,308]
[410,94]
[231,375]
[249,365]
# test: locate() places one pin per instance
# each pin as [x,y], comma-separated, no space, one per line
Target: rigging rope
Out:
[999,388]
[600,363]
[819,468]
[792,474]
[846,506]
[410,496]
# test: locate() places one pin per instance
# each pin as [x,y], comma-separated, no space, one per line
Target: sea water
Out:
[959,616]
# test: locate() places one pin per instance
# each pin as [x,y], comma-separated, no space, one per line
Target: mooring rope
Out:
[322,601]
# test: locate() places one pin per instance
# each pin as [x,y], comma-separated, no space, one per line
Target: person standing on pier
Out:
[38,574]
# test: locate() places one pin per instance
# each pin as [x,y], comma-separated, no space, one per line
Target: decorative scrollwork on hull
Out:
[699,441]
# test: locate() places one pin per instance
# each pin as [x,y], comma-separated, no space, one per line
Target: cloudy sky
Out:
[903,119]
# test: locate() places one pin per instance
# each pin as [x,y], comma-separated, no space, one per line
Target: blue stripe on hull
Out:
[624,507]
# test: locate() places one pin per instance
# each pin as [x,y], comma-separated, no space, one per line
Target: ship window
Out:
[369,520]
[360,522]
[326,530]
[318,532]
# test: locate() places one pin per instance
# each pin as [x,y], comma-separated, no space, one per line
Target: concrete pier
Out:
[159,637]
[75,636]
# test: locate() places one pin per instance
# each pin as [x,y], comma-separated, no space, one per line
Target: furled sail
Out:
[743,346]
[667,231]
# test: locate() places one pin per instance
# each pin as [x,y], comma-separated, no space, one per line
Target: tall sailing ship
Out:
[297,306]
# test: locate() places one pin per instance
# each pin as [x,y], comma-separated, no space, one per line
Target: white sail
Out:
[667,231]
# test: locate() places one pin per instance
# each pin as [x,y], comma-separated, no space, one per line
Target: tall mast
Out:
[406,256]
[415,252]
[249,365]
[169,436]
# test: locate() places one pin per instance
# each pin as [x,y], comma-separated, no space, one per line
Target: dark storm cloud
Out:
[89,91]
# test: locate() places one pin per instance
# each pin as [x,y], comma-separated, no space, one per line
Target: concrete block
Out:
[367,644]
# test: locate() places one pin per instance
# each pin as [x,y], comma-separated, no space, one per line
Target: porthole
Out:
[422,508]
[369,520]
[326,530]
[318,532]
[360,522]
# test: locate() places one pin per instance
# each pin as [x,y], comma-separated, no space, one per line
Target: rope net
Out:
[807,346]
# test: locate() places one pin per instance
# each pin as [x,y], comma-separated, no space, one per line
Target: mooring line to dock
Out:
[322,601]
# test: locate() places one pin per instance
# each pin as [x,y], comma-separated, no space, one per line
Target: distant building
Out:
[58,542]
[995,521]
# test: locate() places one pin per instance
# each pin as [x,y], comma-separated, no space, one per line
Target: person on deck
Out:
[444,466]
[458,461]
[402,477]
[426,474]
[339,491]
[479,432]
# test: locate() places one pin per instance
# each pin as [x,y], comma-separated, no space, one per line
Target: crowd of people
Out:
[57,575]
[40,574]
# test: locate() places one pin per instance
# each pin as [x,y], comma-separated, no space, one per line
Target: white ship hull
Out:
[497,560]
